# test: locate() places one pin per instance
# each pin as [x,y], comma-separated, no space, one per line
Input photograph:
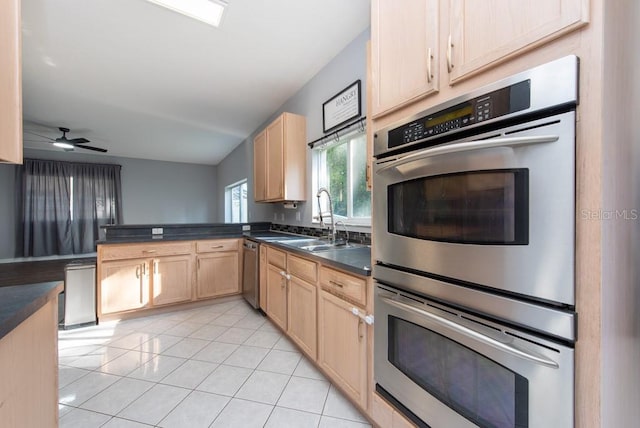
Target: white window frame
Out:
[319,180]
[228,208]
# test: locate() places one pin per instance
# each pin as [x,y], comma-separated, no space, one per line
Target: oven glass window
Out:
[478,388]
[474,207]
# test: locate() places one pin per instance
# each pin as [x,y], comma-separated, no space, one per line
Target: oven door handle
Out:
[468,146]
[539,359]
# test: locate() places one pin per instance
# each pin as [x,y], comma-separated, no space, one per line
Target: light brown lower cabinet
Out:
[140,276]
[171,279]
[342,346]
[124,285]
[263,277]
[386,416]
[277,295]
[302,315]
[217,274]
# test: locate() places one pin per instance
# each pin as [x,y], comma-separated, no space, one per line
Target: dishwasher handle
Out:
[250,246]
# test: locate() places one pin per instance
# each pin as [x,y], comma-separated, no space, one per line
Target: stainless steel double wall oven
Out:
[474,222]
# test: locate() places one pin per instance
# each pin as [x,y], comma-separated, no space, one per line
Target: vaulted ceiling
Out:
[146,82]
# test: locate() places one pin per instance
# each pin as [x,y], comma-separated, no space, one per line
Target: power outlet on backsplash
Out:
[246,227]
[156,231]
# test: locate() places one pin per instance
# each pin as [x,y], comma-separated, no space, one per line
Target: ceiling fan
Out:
[68,144]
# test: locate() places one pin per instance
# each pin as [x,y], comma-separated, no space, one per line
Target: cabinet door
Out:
[260,167]
[10,83]
[277,296]
[302,315]
[487,33]
[263,277]
[171,280]
[217,274]
[124,285]
[342,344]
[404,55]
[275,159]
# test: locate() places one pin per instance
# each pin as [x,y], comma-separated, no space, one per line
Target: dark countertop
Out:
[167,238]
[19,302]
[354,260]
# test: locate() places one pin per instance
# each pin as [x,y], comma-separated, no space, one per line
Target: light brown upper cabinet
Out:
[404,52]
[10,82]
[487,33]
[414,46]
[279,154]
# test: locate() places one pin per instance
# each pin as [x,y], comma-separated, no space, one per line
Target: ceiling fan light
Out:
[63,145]
[207,11]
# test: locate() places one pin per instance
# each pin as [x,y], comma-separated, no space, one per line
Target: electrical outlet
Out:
[156,231]
[246,227]
[281,216]
[298,216]
[275,216]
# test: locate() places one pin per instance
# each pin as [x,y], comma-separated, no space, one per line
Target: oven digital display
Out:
[501,102]
[474,207]
[476,387]
[447,116]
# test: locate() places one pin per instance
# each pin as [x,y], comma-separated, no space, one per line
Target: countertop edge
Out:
[30,297]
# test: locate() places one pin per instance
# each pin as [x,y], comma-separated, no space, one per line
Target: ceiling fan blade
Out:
[38,135]
[95,149]
[78,141]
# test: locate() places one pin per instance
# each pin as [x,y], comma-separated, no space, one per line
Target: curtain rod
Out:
[335,134]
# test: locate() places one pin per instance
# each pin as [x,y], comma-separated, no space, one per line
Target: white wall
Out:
[347,67]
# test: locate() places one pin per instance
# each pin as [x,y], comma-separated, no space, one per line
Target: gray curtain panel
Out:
[96,202]
[65,203]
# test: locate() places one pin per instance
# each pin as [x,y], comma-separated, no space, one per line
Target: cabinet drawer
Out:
[277,258]
[351,287]
[303,269]
[216,245]
[137,251]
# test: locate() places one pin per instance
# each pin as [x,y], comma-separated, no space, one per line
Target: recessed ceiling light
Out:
[208,11]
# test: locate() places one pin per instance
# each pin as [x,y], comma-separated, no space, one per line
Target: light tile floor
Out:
[223,365]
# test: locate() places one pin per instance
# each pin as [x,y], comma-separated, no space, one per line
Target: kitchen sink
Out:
[326,246]
[314,245]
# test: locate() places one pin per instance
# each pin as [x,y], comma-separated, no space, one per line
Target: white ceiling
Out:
[145,82]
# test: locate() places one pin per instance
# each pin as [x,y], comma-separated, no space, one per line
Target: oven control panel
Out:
[488,106]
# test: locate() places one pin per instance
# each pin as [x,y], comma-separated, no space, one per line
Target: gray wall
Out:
[152,192]
[347,67]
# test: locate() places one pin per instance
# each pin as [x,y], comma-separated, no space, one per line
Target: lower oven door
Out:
[453,369]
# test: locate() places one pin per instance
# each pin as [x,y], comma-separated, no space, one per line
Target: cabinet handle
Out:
[144,268]
[449,53]
[213,247]
[138,272]
[429,61]
[149,251]
[360,335]
[155,267]
[198,263]
[337,284]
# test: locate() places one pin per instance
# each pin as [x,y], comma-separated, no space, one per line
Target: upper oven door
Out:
[496,209]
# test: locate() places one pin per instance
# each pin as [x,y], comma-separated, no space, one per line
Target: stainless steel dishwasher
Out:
[250,273]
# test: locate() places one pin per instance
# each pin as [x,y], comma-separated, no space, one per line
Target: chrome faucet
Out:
[332,226]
